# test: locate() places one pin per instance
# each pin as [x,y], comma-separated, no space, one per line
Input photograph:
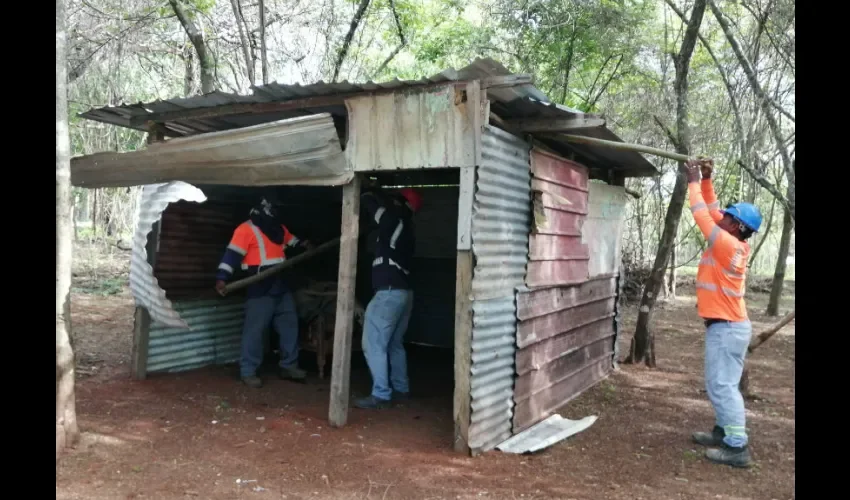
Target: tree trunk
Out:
[643,343]
[67,431]
[346,43]
[671,281]
[196,36]
[188,70]
[243,39]
[781,264]
[263,53]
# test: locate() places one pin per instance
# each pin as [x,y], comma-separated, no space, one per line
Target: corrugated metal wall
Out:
[193,237]
[191,241]
[566,326]
[500,221]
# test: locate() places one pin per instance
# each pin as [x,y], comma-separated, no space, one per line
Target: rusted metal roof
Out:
[522,101]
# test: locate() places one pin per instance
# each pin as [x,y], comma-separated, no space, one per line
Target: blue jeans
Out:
[260,312]
[725,350]
[387,316]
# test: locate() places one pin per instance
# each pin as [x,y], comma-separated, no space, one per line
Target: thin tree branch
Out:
[346,43]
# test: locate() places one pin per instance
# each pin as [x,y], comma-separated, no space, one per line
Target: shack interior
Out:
[191,239]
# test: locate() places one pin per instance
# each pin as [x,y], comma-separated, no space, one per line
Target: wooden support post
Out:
[463,350]
[142,318]
[343,330]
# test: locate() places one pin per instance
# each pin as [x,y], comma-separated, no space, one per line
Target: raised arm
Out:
[710,198]
[714,235]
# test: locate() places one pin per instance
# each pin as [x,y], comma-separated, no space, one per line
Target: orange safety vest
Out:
[256,249]
[722,269]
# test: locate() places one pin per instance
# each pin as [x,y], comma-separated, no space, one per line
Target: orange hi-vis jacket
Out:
[250,248]
[722,269]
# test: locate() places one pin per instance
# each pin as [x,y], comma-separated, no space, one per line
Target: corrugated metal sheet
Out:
[519,102]
[566,332]
[213,338]
[500,221]
[427,129]
[143,285]
[304,150]
[191,242]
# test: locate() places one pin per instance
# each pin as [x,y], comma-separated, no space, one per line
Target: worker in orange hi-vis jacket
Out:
[720,289]
[256,245]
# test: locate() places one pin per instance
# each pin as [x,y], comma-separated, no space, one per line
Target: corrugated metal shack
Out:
[517,260]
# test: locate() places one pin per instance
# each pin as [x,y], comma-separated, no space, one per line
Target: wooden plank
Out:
[463,351]
[535,356]
[557,125]
[534,330]
[553,247]
[464,208]
[547,401]
[536,303]
[346,282]
[554,221]
[562,368]
[142,318]
[572,199]
[556,272]
[559,170]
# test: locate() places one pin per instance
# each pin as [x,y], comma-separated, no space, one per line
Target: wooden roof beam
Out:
[556,124]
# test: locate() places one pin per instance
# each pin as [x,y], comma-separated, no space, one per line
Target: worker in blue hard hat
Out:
[720,303]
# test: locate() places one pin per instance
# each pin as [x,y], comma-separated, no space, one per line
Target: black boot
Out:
[713,438]
[727,455]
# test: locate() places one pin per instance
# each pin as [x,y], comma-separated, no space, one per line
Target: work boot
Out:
[292,373]
[253,381]
[371,403]
[400,397]
[713,438]
[727,455]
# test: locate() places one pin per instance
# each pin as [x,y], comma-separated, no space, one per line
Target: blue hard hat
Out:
[745,213]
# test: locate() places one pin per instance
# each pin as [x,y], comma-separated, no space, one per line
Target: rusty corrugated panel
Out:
[542,404]
[566,332]
[213,338]
[537,355]
[509,102]
[563,367]
[537,303]
[425,129]
[548,167]
[556,272]
[191,242]
[552,221]
[554,247]
[500,221]
[540,328]
[143,285]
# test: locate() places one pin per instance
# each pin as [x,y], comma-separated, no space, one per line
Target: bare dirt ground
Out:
[203,435]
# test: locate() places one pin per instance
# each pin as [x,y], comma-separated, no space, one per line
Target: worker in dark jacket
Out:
[388,313]
[258,244]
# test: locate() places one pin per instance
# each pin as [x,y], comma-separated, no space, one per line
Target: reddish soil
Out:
[203,435]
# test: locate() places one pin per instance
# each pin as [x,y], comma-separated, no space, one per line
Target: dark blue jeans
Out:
[260,312]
